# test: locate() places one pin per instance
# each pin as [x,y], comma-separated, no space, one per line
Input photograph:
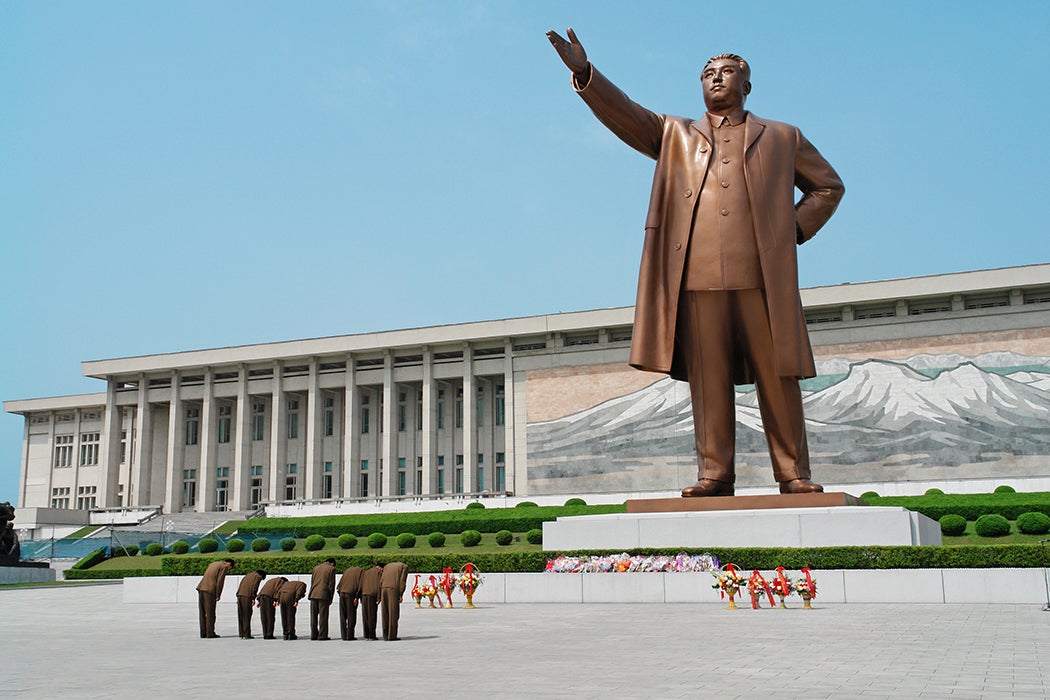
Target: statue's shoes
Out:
[708,487]
[800,486]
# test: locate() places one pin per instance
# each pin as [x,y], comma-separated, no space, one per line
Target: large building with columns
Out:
[546,405]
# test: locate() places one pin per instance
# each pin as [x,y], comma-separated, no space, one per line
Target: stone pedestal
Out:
[781,523]
[27,572]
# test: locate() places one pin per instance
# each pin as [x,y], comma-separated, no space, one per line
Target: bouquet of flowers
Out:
[447,584]
[417,593]
[781,586]
[469,579]
[806,586]
[728,582]
[756,586]
[429,590]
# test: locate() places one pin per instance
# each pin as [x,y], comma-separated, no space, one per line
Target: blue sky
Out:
[196,174]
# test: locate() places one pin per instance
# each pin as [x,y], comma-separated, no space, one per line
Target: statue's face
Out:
[725,87]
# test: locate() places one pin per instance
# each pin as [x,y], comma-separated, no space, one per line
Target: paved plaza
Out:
[83,642]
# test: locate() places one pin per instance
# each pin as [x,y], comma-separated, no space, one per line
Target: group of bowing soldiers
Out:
[381,586]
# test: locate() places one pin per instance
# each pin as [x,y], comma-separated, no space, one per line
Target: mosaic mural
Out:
[926,417]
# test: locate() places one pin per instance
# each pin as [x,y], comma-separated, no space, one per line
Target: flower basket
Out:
[756,586]
[469,580]
[781,586]
[417,593]
[447,584]
[806,586]
[728,582]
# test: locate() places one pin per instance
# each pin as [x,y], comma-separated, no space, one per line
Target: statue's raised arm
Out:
[571,52]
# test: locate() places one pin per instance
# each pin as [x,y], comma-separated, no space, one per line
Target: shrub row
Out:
[85,574]
[970,556]
[452,522]
[970,506]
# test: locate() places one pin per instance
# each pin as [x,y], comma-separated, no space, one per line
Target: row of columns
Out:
[141,472]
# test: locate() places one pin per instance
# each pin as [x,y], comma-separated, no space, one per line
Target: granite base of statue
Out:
[12,569]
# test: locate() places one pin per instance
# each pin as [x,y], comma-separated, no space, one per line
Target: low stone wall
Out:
[924,586]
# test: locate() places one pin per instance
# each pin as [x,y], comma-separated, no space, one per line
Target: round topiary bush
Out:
[180,547]
[1005,489]
[377,540]
[933,492]
[153,549]
[470,538]
[526,504]
[475,504]
[868,495]
[260,544]
[314,543]
[504,537]
[1033,523]
[346,541]
[534,536]
[207,545]
[436,539]
[575,502]
[406,540]
[235,545]
[952,525]
[288,544]
[992,525]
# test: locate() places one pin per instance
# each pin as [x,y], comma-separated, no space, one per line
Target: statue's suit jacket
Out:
[777,160]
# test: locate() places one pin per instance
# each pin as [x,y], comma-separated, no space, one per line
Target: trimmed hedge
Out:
[451,522]
[971,505]
[127,551]
[992,525]
[526,504]
[953,525]
[475,505]
[1033,523]
[235,545]
[91,574]
[504,538]
[207,545]
[89,560]
[346,541]
[470,538]
[288,544]
[180,547]
[575,502]
[933,492]
[436,539]
[314,543]
[534,536]
[261,544]
[1005,489]
[406,540]
[377,540]
[154,549]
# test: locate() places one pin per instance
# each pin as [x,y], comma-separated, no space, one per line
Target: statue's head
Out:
[7,512]
[726,81]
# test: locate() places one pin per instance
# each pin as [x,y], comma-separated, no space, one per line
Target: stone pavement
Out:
[83,642]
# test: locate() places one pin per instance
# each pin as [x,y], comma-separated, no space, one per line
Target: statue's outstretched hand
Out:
[571,51]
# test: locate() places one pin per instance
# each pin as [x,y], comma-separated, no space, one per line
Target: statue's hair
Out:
[744,67]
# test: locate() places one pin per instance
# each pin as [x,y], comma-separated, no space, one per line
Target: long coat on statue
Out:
[777,160]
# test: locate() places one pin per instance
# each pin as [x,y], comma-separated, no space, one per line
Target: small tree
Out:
[180,547]
[406,540]
[207,545]
[377,540]
[952,525]
[504,537]
[154,549]
[260,544]
[314,543]
[235,545]
[992,525]
[346,541]
[470,538]
[534,536]
[288,544]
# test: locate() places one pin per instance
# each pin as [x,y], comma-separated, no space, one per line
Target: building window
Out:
[225,421]
[329,422]
[364,421]
[459,413]
[481,406]
[419,412]
[501,406]
[459,479]
[189,488]
[192,425]
[63,450]
[326,481]
[441,480]
[60,497]
[401,417]
[401,483]
[364,478]
[256,496]
[86,497]
[258,421]
[291,481]
[419,481]
[481,458]
[441,413]
[88,449]
[293,419]
[501,478]
[222,488]
[123,446]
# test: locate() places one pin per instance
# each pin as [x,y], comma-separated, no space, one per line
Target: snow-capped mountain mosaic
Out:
[946,416]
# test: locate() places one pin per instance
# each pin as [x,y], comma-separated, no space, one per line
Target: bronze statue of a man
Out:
[718,301]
